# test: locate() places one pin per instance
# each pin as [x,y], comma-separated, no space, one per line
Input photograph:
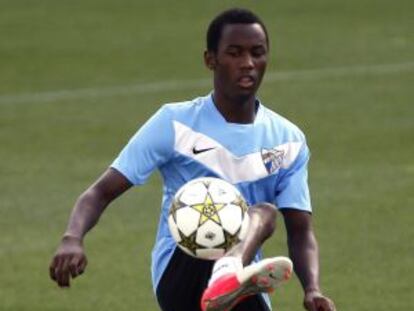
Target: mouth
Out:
[246,82]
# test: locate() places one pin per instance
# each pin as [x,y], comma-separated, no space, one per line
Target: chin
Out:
[246,93]
[241,95]
[243,98]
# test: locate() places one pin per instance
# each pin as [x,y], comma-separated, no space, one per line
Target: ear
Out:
[210,59]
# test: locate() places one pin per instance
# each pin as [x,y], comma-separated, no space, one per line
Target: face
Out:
[240,61]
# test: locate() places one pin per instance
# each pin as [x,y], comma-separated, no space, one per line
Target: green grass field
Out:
[77,78]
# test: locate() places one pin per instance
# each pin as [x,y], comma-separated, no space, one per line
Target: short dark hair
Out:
[231,16]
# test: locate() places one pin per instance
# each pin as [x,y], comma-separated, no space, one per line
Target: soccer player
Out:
[228,134]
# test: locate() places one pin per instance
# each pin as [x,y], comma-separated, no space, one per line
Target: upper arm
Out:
[292,190]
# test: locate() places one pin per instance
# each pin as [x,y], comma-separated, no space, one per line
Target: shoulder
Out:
[188,113]
[282,125]
[183,108]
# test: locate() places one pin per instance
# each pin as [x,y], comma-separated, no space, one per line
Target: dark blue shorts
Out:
[184,281]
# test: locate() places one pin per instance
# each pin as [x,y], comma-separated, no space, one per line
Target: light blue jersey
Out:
[266,160]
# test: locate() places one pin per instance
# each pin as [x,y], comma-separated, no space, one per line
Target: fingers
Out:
[73,267]
[63,268]
[52,268]
[315,301]
[82,265]
[324,304]
[77,265]
[63,278]
[59,271]
[310,305]
[56,270]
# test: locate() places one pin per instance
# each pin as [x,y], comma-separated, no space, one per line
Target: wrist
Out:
[70,237]
[312,289]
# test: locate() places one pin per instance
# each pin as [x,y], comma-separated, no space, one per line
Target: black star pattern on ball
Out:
[229,240]
[176,205]
[189,242]
[239,201]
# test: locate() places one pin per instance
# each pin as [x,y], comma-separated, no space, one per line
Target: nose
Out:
[247,61]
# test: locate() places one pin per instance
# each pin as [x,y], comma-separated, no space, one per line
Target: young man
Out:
[228,134]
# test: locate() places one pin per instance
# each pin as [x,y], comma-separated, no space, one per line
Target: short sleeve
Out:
[293,190]
[148,149]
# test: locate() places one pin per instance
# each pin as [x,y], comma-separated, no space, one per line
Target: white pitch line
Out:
[178,85]
[332,72]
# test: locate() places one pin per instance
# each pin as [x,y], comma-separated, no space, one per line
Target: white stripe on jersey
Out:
[235,169]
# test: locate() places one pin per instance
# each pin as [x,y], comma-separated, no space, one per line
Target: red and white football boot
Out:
[227,290]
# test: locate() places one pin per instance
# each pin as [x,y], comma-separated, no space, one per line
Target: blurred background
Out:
[77,78]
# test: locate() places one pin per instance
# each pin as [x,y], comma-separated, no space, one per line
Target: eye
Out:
[258,51]
[233,52]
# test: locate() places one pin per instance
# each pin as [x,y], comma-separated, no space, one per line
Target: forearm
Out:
[85,214]
[303,250]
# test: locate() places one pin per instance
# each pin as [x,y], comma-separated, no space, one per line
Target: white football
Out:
[207,217]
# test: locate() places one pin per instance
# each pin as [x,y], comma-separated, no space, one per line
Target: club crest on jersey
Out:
[272,159]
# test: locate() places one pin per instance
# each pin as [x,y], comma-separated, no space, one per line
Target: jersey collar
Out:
[212,107]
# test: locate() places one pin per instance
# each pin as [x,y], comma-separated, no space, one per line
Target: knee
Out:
[267,214]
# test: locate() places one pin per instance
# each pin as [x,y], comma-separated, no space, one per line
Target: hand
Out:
[315,301]
[69,261]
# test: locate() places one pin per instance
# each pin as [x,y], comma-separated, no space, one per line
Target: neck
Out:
[236,109]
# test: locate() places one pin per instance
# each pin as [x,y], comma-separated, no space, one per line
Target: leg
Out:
[261,227]
[231,283]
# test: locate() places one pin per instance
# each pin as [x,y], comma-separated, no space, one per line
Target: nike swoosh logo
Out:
[197,151]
